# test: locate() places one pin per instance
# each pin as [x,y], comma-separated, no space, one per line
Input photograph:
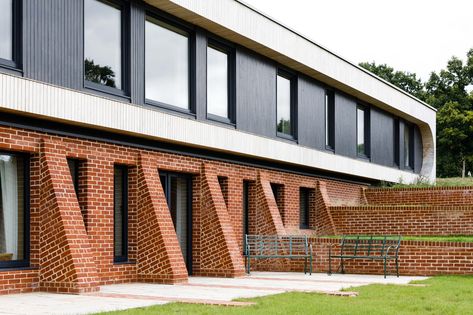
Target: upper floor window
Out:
[167,65]
[14,218]
[285,111]
[362,131]
[103,42]
[330,120]
[9,33]
[408,146]
[218,83]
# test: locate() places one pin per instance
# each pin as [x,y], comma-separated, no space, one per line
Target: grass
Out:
[442,295]
[440,182]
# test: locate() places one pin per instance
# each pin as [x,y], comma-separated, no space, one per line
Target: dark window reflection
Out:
[167,64]
[102,43]
[284,105]
[6,29]
[217,82]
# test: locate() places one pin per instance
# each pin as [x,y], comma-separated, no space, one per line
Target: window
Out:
[120,213]
[9,33]
[14,210]
[219,100]
[103,42]
[278,192]
[330,120]
[408,146]
[223,183]
[285,105]
[362,131]
[167,65]
[396,142]
[304,202]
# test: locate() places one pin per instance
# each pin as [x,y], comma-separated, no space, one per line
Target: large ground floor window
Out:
[14,214]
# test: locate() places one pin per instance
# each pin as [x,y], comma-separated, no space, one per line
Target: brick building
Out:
[140,140]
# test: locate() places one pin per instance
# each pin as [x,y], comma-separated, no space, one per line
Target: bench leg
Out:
[397,266]
[248,267]
[305,265]
[342,266]
[384,267]
[310,267]
[329,261]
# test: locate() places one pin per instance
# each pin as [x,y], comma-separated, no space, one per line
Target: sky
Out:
[418,36]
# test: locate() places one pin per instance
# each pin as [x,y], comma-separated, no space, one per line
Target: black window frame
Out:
[229,50]
[410,166]
[396,141]
[366,129]
[124,92]
[15,64]
[124,257]
[25,262]
[292,77]
[185,30]
[329,108]
[306,192]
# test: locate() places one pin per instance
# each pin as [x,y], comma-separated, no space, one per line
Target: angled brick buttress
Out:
[159,256]
[268,218]
[324,224]
[220,254]
[66,260]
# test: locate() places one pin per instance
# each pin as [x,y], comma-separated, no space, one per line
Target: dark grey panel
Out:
[255,94]
[52,41]
[311,114]
[201,75]
[382,137]
[137,53]
[418,150]
[345,126]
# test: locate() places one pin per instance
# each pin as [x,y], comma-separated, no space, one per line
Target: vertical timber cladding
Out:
[99,158]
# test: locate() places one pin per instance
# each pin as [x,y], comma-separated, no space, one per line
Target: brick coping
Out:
[405,242]
[406,189]
[405,206]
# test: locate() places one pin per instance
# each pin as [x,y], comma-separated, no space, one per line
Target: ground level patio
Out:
[220,291]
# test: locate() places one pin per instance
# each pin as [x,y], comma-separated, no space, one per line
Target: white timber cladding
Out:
[40,99]
[237,22]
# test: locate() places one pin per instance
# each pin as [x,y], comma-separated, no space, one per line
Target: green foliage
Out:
[439,295]
[98,74]
[448,92]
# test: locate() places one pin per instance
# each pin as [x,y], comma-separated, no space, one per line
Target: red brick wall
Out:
[416,258]
[404,220]
[422,196]
[98,159]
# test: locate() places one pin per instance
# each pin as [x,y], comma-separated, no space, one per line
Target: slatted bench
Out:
[352,247]
[278,246]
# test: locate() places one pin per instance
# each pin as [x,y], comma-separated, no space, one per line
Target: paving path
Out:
[198,290]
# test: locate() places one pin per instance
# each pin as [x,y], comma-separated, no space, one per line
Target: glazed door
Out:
[178,191]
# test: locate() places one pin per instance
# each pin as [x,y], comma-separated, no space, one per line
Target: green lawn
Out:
[440,182]
[441,295]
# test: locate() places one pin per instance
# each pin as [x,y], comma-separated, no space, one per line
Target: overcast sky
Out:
[412,35]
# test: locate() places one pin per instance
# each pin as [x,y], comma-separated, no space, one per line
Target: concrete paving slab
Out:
[198,290]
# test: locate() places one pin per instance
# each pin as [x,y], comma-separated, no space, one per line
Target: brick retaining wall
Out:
[420,196]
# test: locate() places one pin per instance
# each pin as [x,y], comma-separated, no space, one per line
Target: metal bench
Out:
[352,247]
[277,246]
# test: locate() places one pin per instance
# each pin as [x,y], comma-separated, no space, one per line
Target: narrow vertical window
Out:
[10,33]
[285,105]
[120,213]
[329,120]
[103,60]
[218,83]
[304,194]
[167,65]
[362,131]
[14,217]
[408,146]
[396,142]
[6,29]
[74,169]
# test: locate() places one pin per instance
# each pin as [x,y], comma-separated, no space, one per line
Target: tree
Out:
[448,92]
[404,80]
[99,74]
